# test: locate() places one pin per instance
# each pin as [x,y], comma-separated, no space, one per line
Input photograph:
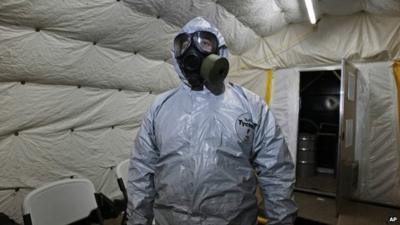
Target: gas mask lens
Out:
[206,42]
[181,44]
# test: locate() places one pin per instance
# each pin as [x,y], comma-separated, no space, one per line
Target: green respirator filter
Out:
[214,69]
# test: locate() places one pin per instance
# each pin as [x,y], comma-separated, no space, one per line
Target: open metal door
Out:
[347,175]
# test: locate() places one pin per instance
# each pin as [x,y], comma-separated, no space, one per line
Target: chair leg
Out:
[27,219]
[124,218]
[99,217]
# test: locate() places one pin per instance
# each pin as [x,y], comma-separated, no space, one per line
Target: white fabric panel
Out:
[341,7]
[295,11]
[285,105]
[131,25]
[265,17]
[334,38]
[11,203]
[387,7]
[357,37]
[344,7]
[252,79]
[238,37]
[137,21]
[49,58]
[45,149]
[377,148]
[108,22]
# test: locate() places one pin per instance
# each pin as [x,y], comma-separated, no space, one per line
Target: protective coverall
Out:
[198,157]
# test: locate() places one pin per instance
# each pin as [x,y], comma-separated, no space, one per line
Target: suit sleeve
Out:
[140,189]
[275,169]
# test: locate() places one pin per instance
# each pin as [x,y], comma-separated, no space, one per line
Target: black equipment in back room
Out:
[319,112]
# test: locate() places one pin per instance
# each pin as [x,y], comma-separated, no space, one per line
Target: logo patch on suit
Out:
[245,128]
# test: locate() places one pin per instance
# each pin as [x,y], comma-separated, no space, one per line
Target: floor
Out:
[323,210]
[116,221]
[368,214]
[316,208]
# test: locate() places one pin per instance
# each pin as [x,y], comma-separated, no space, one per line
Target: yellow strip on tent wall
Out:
[268,86]
[396,73]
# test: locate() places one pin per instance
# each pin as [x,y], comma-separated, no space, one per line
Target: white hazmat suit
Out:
[198,157]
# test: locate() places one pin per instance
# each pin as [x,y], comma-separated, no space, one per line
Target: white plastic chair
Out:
[60,203]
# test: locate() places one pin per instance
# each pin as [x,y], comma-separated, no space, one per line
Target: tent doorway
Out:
[326,161]
[317,146]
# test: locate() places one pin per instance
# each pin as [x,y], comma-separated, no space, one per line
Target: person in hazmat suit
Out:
[204,146]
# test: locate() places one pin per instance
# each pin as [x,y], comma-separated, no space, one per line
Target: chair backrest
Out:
[60,203]
[122,171]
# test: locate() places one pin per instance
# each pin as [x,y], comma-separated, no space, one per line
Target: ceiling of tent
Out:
[121,43]
[242,21]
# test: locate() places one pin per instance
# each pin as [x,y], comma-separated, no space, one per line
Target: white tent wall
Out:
[285,104]
[378,140]
[377,137]
[76,76]
[52,132]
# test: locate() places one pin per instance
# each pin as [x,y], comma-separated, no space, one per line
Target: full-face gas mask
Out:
[197,56]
